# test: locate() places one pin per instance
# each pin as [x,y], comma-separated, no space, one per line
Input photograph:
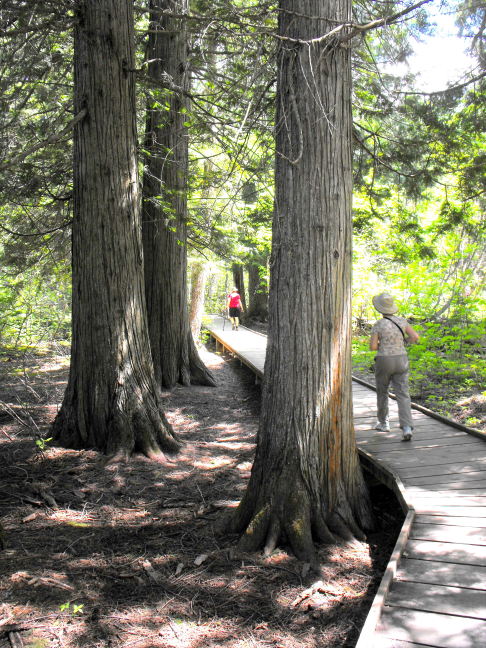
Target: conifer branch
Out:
[44,143]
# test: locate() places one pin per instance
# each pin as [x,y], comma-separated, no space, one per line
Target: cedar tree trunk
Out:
[306,484]
[239,282]
[165,202]
[112,399]
[257,291]
[199,276]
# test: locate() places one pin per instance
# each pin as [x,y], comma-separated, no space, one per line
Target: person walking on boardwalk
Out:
[388,338]
[234,307]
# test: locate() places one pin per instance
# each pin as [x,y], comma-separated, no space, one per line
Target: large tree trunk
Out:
[112,400]
[306,483]
[239,282]
[257,290]
[199,276]
[165,203]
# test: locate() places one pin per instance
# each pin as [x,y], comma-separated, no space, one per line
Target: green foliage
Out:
[362,355]
[448,355]
[447,364]
[73,609]
[42,443]
[419,162]
[34,305]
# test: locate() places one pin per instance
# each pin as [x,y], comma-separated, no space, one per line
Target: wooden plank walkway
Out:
[433,592]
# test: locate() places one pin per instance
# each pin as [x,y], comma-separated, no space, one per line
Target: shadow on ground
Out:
[127,555]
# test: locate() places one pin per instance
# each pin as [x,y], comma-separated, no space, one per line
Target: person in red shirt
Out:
[234,306]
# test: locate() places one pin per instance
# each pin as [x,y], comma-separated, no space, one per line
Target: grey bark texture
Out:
[175,356]
[306,484]
[112,399]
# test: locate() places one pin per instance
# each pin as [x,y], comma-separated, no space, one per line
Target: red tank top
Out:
[235,301]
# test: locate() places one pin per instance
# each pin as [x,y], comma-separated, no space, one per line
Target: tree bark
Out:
[306,484]
[198,285]
[175,356]
[257,290]
[239,282]
[112,400]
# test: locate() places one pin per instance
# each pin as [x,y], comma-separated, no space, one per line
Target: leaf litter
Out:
[127,555]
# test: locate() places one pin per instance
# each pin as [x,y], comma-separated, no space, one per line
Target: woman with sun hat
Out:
[388,338]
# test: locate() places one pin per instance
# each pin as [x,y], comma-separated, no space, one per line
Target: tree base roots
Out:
[296,524]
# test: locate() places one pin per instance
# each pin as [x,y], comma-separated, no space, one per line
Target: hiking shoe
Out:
[407,433]
[382,427]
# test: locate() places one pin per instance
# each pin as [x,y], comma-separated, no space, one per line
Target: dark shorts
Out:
[234,312]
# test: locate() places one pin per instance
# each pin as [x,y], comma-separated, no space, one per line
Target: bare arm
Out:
[374,342]
[412,335]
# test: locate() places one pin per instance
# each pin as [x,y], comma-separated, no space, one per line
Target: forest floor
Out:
[126,555]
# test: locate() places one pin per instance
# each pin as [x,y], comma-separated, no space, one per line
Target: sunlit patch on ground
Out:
[128,555]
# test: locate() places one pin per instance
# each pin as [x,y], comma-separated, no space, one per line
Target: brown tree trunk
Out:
[198,285]
[112,400]
[257,291]
[239,282]
[306,483]
[165,203]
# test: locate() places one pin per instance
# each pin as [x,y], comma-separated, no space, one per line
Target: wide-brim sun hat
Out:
[385,304]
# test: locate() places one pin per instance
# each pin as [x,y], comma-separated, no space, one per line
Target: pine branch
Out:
[44,143]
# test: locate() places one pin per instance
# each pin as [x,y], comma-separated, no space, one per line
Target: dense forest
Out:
[157,153]
[418,176]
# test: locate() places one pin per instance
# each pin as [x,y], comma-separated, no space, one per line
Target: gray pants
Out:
[394,370]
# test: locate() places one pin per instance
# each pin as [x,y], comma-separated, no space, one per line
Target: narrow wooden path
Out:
[433,592]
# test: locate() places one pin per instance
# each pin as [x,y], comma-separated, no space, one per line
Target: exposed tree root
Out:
[199,373]
[134,423]
[291,519]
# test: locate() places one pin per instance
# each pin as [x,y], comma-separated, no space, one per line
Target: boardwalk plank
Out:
[386,642]
[452,469]
[451,521]
[431,629]
[441,573]
[453,533]
[451,478]
[449,499]
[459,487]
[471,511]
[466,554]
[438,598]
[395,442]
[464,494]
[439,456]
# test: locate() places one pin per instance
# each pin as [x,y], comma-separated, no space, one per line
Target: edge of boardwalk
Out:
[389,477]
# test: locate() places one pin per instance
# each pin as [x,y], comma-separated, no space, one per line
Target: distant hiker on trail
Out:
[388,337]
[234,307]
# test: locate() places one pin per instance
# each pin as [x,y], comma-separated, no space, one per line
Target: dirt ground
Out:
[127,556]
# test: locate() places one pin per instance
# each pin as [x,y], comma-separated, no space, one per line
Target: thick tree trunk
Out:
[165,204]
[306,482]
[199,276]
[112,400]
[257,291]
[239,281]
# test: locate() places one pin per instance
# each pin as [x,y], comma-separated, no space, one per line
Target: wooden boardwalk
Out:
[433,592]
